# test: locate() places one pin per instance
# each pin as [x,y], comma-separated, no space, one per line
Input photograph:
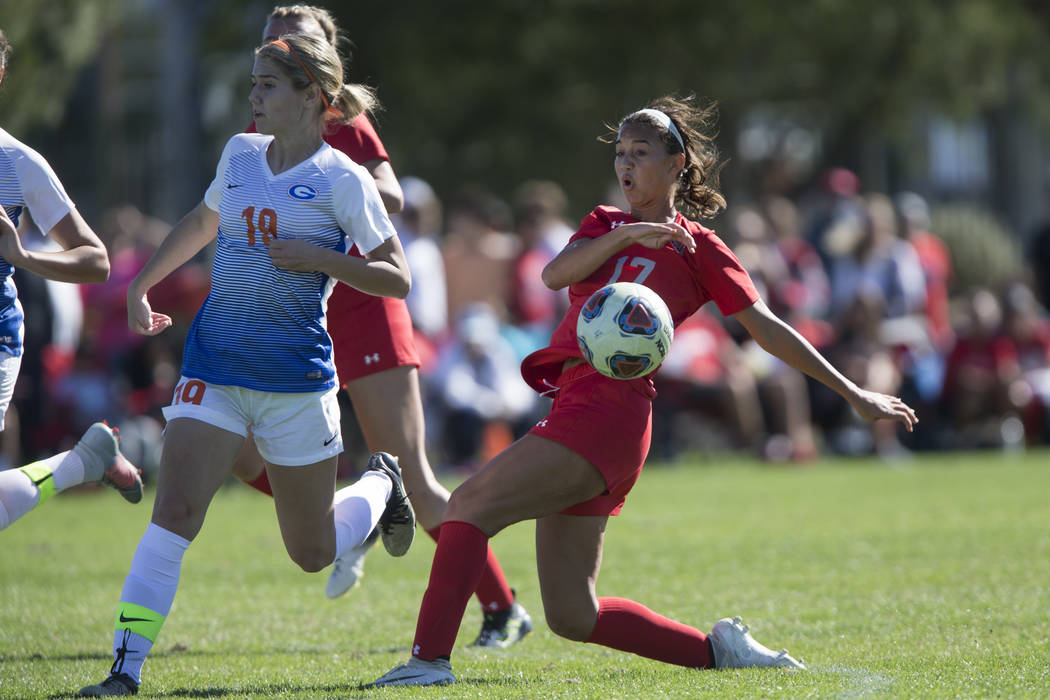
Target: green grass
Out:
[929,580]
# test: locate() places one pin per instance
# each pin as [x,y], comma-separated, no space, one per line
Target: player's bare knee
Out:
[569,624]
[311,559]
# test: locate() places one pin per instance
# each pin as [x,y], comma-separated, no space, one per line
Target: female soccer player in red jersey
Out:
[576,466]
[377,363]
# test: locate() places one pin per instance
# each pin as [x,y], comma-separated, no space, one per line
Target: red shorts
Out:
[607,422]
[369,333]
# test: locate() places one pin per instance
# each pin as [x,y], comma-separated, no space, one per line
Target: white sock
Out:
[149,591]
[357,509]
[66,469]
[18,495]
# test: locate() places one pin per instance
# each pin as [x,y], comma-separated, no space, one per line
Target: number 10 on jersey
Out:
[265,224]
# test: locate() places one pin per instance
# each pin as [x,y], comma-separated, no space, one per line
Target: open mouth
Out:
[626,182]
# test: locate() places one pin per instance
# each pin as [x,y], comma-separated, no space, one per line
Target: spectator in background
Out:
[480,388]
[981,368]
[866,361]
[789,433]
[479,251]
[1026,325]
[540,208]
[419,224]
[867,254]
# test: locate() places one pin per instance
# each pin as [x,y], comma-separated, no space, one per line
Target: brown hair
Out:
[307,59]
[5,51]
[335,36]
[696,193]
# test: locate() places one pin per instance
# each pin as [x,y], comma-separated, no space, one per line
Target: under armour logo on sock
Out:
[374,357]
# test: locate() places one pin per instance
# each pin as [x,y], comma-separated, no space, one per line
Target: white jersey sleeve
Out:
[360,210]
[41,190]
[213,195]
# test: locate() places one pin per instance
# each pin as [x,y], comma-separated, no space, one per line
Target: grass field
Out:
[927,580]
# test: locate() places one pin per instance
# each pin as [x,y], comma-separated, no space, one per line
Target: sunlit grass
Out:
[927,580]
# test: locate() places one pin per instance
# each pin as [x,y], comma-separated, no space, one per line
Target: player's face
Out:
[644,168]
[276,105]
[278,27]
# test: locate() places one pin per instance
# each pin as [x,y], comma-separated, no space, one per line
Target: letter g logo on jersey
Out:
[301,191]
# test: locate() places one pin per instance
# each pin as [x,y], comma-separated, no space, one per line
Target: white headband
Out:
[664,121]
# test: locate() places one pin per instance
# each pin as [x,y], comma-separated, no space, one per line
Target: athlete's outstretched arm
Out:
[383,272]
[780,339]
[580,258]
[82,259]
[196,230]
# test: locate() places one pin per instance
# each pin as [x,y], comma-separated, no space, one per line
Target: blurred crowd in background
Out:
[866,277]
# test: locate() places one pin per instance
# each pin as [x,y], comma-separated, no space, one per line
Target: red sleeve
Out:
[595,224]
[358,139]
[722,276]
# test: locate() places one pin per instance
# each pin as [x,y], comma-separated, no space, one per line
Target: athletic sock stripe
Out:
[139,619]
[42,478]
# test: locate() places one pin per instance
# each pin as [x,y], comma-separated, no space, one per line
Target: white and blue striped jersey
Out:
[264,327]
[26,180]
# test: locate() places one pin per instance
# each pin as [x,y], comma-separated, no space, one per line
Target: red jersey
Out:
[685,282]
[386,339]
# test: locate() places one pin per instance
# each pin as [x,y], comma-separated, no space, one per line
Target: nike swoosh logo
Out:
[134,619]
[329,440]
[230,187]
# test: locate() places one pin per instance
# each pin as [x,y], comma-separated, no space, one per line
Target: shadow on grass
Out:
[107,656]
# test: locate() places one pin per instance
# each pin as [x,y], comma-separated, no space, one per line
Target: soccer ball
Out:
[625,330]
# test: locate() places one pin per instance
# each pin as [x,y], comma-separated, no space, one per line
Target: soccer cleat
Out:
[99,451]
[504,628]
[416,672]
[734,647]
[348,569]
[116,684]
[397,524]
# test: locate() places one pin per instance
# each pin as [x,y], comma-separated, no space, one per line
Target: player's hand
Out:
[144,320]
[656,235]
[11,248]
[873,406]
[296,254]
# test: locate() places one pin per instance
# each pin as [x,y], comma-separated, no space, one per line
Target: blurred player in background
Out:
[284,209]
[27,181]
[576,467]
[376,360]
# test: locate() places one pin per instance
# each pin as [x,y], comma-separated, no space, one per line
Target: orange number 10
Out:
[267,223]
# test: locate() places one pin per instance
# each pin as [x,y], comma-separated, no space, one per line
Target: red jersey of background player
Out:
[685,282]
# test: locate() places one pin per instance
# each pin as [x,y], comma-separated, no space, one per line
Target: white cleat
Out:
[734,647]
[348,569]
[416,672]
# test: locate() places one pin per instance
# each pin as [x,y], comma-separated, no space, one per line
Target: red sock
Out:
[630,626]
[493,592]
[458,563]
[261,483]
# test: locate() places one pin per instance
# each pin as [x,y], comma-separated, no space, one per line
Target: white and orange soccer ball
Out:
[625,330]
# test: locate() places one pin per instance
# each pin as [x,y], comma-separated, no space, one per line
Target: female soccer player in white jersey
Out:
[27,181]
[376,361]
[284,207]
[576,466]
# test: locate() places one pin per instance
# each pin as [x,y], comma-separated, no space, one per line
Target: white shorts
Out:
[290,429]
[9,365]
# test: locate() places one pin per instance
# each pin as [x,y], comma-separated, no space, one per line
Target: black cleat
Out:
[503,628]
[397,524]
[116,684]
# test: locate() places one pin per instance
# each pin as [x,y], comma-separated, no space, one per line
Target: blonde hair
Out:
[696,192]
[5,51]
[323,17]
[307,59]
